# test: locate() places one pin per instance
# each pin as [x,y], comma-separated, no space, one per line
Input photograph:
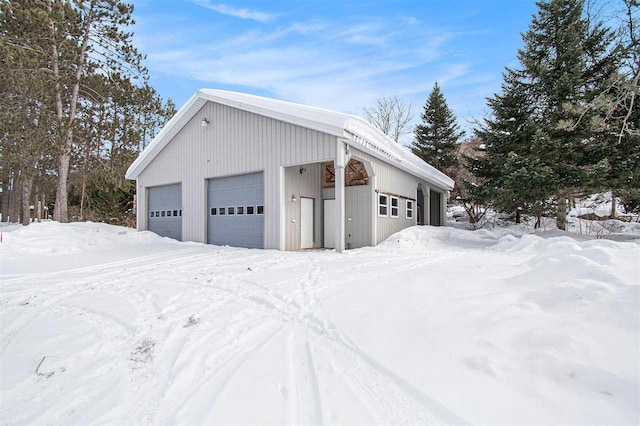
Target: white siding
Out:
[307,184]
[393,181]
[357,206]
[234,142]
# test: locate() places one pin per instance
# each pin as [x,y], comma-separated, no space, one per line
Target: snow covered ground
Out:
[101,324]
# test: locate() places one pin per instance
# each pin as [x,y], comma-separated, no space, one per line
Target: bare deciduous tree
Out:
[391,115]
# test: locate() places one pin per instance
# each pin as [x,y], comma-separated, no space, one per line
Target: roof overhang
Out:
[354,129]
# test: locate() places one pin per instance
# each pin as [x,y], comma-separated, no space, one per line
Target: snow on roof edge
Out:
[369,138]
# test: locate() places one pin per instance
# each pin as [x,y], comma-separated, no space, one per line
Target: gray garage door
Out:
[164,211]
[236,210]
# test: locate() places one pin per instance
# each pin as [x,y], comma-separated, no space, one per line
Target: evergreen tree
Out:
[436,138]
[567,64]
[511,178]
[542,139]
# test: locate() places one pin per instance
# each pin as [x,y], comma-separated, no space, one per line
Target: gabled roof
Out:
[362,135]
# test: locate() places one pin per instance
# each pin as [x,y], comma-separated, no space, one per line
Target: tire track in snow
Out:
[391,399]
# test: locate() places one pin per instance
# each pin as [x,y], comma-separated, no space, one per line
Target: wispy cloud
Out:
[242,13]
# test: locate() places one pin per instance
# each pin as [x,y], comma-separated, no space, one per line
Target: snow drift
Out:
[101,324]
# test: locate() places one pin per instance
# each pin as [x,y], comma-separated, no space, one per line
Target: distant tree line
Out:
[566,122]
[75,109]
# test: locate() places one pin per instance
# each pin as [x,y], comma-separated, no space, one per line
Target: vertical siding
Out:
[357,207]
[234,142]
[307,184]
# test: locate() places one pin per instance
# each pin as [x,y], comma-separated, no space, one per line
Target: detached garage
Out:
[247,171]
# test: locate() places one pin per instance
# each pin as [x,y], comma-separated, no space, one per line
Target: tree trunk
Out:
[5,200]
[613,205]
[517,216]
[14,201]
[84,186]
[27,184]
[538,220]
[60,208]
[561,212]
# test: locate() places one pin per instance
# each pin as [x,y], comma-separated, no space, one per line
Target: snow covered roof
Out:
[362,135]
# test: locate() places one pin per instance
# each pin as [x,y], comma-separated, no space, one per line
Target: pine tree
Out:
[512,179]
[436,138]
[567,63]
[542,139]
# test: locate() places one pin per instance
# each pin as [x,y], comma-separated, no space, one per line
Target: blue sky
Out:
[339,55]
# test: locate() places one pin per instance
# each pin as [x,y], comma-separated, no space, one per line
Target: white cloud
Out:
[243,13]
[339,65]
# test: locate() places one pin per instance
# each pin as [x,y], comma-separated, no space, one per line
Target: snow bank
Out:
[433,326]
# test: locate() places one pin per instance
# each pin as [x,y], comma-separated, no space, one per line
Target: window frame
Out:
[213,211]
[231,211]
[152,213]
[385,205]
[409,210]
[397,207]
[258,208]
[253,210]
[222,211]
[239,212]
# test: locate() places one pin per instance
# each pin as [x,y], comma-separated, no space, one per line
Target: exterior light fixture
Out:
[293,199]
[302,170]
[205,122]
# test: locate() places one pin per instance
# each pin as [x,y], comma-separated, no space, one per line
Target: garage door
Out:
[164,210]
[236,211]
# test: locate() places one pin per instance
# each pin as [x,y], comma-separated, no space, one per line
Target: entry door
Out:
[306,222]
[329,214]
[435,203]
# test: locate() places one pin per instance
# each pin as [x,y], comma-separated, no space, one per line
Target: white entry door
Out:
[329,214]
[306,222]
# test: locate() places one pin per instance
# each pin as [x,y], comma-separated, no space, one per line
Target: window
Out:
[157,213]
[175,212]
[231,211]
[168,213]
[383,205]
[250,209]
[395,206]
[162,213]
[180,212]
[222,211]
[260,209]
[152,214]
[240,210]
[409,209]
[214,211]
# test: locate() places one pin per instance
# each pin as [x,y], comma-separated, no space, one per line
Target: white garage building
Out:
[242,170]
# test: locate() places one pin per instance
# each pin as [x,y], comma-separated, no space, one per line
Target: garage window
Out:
[383,205]
[231,211]
[162,213]
[409,209]
[175,213]
[151,214]
[180,212]
[222,211]
[260,209]
[395,207]
[250,209]
[214,211]
[240,210]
